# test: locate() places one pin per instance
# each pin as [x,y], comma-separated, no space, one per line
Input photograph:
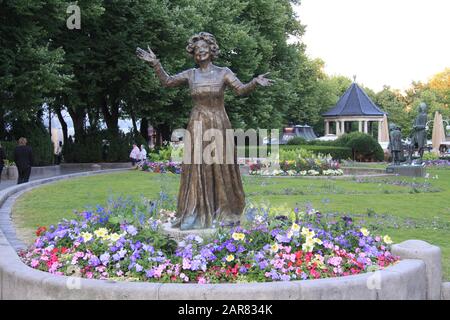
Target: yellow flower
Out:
[290,234]
[274,248]
[308,246]
[364,231]
[306,233]
[317,240]
[114,237]
[101,233]
[230,258]
[238,236]
[86,236]
[387,239]
[295,227]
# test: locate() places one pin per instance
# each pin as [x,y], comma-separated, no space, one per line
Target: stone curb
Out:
[405,280]
[445,291]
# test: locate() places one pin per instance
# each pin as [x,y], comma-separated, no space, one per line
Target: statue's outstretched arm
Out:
[241,89]
[165,79]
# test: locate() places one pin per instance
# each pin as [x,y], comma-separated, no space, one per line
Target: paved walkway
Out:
[6,183]
[6,222]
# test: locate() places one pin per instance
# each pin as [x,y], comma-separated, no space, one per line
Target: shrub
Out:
[430,156]
[336,152]
[102,147]
[297,141]
[38,139]
[364,147]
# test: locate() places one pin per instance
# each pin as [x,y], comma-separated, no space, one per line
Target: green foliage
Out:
[162,154]
[297,141]
[102,147]
[295,154]
[430,156]
[364,147]
[336,152]
[38,139]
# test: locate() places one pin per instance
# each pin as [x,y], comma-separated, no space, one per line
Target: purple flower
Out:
[104,258]
[138,267]
[263,264]
[231,247]
[243,270]
[150,273]
[274,232]
[285,277]
[116,257]
[131,230]
[94,261]
[283,238]
[148,248]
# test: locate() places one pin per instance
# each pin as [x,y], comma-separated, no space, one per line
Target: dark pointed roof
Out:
[354,102]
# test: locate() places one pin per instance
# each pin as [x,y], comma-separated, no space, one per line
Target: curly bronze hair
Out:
[208,38]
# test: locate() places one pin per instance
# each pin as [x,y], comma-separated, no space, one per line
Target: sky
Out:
[382,42]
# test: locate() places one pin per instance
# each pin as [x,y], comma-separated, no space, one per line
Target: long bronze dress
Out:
[208,192]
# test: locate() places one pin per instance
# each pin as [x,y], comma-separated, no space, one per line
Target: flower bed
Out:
[124,242]
[160,167]
[437,163]
[298,162]
[301,167]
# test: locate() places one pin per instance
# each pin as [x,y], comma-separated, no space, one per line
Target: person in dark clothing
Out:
[2,161]
[23,157]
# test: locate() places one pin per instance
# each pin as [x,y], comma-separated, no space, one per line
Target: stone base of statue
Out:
[178,235]
[409,170]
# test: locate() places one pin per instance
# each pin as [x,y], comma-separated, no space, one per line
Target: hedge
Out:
[337,153]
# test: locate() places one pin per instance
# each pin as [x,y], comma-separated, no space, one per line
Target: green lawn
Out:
[405,208]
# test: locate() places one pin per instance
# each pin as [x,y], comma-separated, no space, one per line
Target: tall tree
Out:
[30,67]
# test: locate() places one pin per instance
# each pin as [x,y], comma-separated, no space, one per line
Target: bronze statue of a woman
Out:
[208,191]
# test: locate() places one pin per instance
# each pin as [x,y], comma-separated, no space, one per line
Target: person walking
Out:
[135,154]
[143,154]
[23,157]
[2,161]
[58,153]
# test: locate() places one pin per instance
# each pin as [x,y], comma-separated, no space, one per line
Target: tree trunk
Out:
[2,124]
[163,133]
[78,124]
[144,129]
[133,120]
[50,122]
[111,116]
[94,119]
[63,124]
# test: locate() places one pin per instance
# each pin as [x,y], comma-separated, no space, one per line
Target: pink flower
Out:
[89,275]
[201,280]
[335,261]
[186,263]
[34,263]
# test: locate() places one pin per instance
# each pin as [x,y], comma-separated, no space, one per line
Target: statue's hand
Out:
[263,81]
[148,56]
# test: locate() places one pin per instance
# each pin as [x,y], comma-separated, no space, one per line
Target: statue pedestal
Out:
[408,170]
[178,235]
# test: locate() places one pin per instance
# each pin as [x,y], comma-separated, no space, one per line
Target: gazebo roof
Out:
[354,102]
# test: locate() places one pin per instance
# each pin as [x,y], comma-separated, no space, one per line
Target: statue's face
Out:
[202,51]
[423,107]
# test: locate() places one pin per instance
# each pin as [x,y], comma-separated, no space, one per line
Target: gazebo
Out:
[354,106]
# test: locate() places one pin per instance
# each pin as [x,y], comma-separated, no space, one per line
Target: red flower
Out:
[40,231]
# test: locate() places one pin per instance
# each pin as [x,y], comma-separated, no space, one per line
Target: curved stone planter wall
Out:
[408,279]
